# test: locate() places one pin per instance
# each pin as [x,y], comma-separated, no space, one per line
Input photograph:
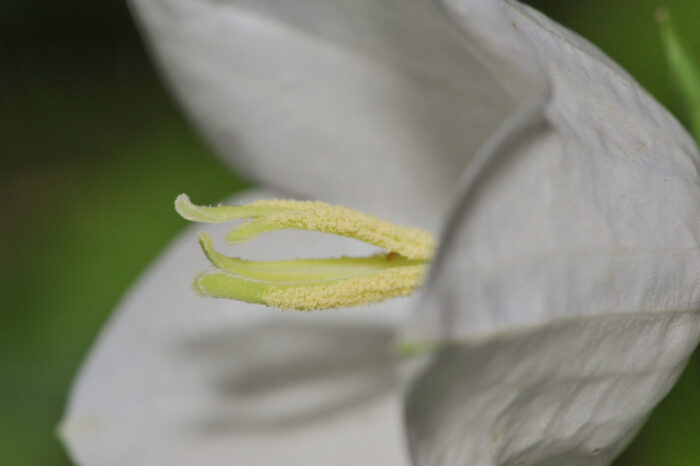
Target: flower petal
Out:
[177,379]
[376,105]
[574,254]
[571,392]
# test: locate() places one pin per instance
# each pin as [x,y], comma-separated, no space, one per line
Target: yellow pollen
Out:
[309,284]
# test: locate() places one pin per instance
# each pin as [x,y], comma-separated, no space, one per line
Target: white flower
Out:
[564,300]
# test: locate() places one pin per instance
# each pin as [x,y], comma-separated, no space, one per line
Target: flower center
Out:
[310,284]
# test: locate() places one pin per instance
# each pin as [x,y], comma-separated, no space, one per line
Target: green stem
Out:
[684,70]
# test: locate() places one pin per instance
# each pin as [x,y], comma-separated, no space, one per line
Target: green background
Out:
[93,153]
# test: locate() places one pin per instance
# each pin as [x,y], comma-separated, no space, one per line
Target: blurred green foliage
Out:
[93,154]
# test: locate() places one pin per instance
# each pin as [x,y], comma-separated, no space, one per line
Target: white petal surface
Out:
[180,380]
[587,233]
[376,105]
[570,393]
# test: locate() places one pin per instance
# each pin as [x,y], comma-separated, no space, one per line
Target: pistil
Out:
[310,284]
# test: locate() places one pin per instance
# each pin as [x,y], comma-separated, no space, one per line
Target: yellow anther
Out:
[307,284]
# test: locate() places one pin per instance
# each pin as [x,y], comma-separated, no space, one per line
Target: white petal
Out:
[176,379]
[569,393]
[376,105]
[592,214]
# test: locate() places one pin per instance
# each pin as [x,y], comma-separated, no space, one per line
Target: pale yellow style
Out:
[309,284]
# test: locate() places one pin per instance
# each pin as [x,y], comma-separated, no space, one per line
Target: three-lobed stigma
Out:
[310,284]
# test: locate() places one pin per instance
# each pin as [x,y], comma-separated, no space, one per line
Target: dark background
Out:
[92,154]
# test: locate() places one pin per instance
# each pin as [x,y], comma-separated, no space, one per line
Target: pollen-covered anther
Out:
[308,284]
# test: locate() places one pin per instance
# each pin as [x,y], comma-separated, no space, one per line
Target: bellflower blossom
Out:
[561,306]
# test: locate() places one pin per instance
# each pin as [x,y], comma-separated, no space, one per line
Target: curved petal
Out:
[376,105]
[577,252]
[179,380]
[573,392]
